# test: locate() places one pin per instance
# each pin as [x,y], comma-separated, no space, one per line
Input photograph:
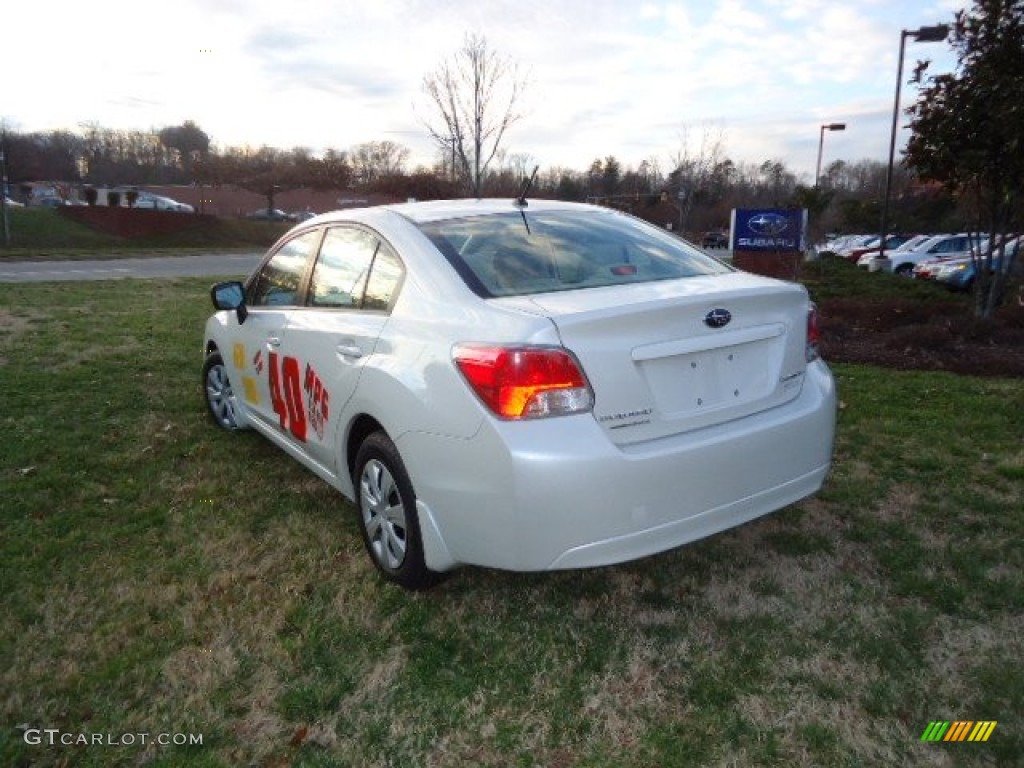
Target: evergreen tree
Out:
[968,132]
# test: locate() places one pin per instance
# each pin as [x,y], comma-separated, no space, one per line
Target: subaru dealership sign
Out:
[768,229]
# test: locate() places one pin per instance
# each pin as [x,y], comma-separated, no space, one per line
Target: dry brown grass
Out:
[169,577]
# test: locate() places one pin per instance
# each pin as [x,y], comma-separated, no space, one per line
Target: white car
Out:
[866,259]
[937,247]
[523,386]
[161,203]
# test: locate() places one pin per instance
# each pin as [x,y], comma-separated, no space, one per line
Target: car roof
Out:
[924,245]
[439,210]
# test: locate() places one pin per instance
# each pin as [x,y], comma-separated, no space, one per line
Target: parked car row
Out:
[854,247]
[144,201]
[44,201]
[902,261]
[959,273]
[946,258]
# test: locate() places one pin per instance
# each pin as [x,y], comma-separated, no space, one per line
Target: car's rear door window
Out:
[355,269]
[339,276]
[385,278]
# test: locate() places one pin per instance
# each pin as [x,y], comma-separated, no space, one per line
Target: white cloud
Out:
[608,77]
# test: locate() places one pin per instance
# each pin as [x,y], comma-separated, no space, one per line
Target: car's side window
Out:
[952,245]
[385,277]
[339,277]
[279,280]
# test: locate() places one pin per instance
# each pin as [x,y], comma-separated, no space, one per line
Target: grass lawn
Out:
[162,577]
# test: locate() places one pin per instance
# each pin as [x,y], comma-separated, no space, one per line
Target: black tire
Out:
[386,506]
[218,393]
[904,270]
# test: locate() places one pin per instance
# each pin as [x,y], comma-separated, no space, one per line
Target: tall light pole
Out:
[821,145]
[933,34]
[3,190]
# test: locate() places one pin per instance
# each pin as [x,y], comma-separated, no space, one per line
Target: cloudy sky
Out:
[637,79]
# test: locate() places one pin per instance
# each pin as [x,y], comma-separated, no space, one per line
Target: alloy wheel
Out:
[383,515]
[220,396]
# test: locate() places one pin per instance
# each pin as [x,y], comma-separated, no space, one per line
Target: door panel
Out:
[272,297]
[331,339]
[260,338]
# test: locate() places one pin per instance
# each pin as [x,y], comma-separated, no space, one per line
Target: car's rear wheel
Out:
[905,270]
[387,514]
[220,397]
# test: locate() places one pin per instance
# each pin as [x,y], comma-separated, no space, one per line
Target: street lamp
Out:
[821,144]
[933,34]
[3,191]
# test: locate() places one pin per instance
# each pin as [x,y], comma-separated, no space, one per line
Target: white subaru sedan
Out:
[526,386]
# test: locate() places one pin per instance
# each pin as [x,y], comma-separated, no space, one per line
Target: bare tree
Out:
[694,168]
[474,97]
[693,171]
[507,173]
[374,160]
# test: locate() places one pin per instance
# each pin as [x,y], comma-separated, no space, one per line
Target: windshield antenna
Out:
[521,200]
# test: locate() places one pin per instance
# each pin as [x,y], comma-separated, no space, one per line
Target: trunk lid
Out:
[659,369]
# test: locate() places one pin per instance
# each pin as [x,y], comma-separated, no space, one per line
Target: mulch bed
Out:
[911,335]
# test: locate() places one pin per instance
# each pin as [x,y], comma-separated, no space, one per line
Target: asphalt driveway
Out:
[193,265]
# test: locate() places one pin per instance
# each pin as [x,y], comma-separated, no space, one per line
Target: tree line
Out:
[700,187]
[956,171]
[963,168]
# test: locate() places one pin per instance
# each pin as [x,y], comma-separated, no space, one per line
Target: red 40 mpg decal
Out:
[317,397]
[286,395]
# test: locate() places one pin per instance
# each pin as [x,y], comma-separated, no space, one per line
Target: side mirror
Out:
[230,295]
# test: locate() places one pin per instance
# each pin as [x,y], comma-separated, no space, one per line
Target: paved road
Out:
[195,265]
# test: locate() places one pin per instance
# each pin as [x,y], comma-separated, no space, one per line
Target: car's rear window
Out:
[514,254]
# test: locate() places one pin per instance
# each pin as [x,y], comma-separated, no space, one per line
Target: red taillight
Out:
[525,382]
[813,333]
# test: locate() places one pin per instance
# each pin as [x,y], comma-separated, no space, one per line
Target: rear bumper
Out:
[631,546]
[556,494]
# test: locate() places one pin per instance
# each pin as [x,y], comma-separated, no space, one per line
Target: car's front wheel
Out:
[220,397]
[387,514]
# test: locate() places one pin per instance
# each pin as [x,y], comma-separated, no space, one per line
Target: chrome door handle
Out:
[273,341]
[349,350]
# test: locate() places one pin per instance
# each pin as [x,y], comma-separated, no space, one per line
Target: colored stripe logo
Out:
[958,730]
